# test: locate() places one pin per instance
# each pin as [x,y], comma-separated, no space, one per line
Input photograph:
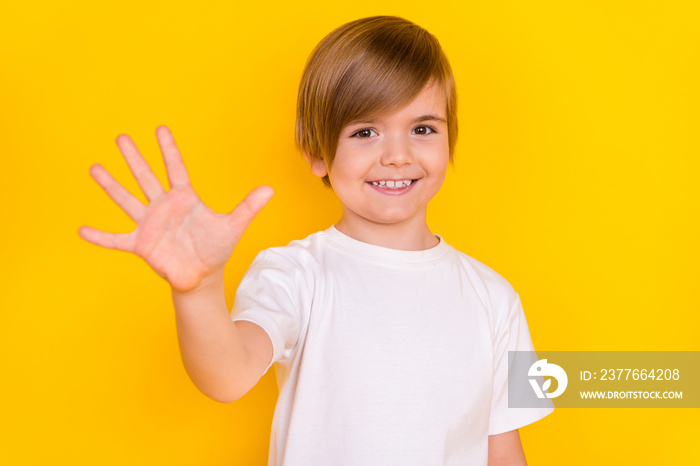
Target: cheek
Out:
[441,160]
[341,174]
[438,169]
[348,164]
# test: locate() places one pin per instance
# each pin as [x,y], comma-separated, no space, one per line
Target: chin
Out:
[392,219]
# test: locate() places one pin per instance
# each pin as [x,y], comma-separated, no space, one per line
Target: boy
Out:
[390,346]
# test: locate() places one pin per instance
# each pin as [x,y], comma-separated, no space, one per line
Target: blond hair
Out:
[367,68]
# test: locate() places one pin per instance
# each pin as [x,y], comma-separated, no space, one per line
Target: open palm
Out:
[181,238]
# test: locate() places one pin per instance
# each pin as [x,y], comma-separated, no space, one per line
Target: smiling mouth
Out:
[392,184]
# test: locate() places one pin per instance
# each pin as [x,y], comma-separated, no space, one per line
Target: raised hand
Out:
[181,238]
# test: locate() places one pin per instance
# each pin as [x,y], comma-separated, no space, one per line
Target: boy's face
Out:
[386,169]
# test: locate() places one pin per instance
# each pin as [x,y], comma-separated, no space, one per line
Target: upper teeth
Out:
[392,184]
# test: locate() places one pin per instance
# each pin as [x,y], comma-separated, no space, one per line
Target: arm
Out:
[224,359]
[506,450]
[188,245]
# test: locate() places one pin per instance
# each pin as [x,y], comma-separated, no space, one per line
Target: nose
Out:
[397,152]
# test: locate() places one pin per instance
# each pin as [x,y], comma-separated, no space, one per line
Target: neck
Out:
[415,236]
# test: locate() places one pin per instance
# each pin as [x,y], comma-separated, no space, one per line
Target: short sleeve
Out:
[269,295]
[512,334]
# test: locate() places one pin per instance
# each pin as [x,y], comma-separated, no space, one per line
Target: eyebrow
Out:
[419,119]
[423,118]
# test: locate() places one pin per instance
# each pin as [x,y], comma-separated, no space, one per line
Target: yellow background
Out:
[575,178]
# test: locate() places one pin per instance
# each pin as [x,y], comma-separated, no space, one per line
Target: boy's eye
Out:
[364,133]
[423,130]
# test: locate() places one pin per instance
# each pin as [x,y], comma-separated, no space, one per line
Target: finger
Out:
[123,198]
[119,241]
[248,208]
[145,177]
[174,165]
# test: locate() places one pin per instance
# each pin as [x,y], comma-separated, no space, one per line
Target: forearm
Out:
[211,346]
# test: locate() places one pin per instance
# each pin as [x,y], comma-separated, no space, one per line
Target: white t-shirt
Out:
[384,356]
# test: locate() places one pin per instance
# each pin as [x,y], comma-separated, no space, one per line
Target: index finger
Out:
[174,165]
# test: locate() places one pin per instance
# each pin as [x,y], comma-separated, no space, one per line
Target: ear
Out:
[318,166]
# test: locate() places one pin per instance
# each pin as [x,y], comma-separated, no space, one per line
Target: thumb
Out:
[249,207]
